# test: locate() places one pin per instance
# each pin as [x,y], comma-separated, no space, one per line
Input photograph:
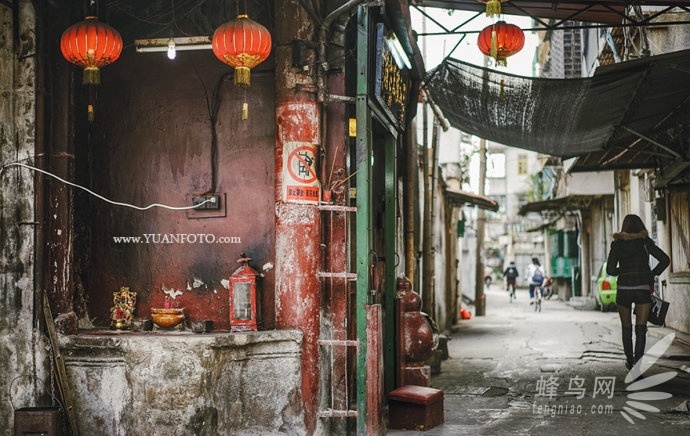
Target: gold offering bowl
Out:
[167,318]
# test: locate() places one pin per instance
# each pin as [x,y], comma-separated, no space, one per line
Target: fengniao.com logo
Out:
[638,396]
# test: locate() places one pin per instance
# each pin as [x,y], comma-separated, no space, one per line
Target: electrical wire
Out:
[116,203]
[31,378]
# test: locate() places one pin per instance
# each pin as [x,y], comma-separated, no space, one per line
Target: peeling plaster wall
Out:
[23,365]
[181,384]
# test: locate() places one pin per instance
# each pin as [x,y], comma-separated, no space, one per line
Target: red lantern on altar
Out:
[243,297]
[493,7]
[500,41]
[243,44]
[92,45]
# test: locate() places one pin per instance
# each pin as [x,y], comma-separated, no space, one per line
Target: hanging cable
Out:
[116,203]
[213,105]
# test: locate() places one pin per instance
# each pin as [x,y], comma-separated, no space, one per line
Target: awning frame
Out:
[458,198]
[602,14]
[627,115]
[563,204]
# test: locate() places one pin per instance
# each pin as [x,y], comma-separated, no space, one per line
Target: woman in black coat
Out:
[629,260]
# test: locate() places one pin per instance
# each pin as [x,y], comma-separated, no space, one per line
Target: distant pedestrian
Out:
[511,275]
[629,260]
[535,277]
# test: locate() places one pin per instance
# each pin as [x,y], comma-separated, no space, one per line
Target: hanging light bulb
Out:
[171,49]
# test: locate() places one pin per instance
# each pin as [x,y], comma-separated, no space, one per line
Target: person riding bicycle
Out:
[535,277]
[511,275]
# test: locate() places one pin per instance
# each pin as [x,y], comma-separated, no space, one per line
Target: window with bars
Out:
[522,164]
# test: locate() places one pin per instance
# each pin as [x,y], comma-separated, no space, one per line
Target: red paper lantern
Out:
[493,7]
[91,44]
[243,44]
[501,40]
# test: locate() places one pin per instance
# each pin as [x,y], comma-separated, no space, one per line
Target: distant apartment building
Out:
[576,209]
[564,60]
[513,178]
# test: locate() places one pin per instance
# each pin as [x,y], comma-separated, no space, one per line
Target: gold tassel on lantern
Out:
[501,60]
[241,76]
[245,106]
[493,7]
[91,76]
[90,114]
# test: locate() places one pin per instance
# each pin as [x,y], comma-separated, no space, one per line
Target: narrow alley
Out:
[559,371]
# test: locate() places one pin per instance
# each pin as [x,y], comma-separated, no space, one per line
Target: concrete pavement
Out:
[558,371]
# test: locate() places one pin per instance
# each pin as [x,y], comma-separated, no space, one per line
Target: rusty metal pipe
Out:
[323,34]
[410,198]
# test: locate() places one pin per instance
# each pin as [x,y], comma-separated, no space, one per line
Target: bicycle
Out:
[511,291]
[537,298]
[547,288]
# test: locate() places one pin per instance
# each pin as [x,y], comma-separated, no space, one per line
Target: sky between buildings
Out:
[436,48]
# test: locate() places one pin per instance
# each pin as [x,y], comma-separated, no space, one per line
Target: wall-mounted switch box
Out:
[208,205]
[206,202]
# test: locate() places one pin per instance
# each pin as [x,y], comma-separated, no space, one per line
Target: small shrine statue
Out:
[123,308]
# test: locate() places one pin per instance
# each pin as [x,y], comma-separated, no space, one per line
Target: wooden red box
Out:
[415,408]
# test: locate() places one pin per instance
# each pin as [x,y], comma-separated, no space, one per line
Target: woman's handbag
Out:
[657,312]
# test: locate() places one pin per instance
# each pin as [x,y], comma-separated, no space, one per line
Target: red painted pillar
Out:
[298,225]
[298,232]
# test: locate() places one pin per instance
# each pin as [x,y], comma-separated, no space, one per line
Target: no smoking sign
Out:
[302,164]
[301,184]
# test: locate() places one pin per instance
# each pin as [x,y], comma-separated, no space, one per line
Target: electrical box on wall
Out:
[207,205]
[206,202]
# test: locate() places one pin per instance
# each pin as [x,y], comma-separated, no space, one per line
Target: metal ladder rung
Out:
[337,275]
[338,342]
[330,413]
[337,208]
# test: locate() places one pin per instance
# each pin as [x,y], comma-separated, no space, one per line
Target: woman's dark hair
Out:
[535,260]
[632,224]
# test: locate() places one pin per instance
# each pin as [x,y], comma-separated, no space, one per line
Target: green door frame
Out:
[363,220]
[366,110]
[390,231]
